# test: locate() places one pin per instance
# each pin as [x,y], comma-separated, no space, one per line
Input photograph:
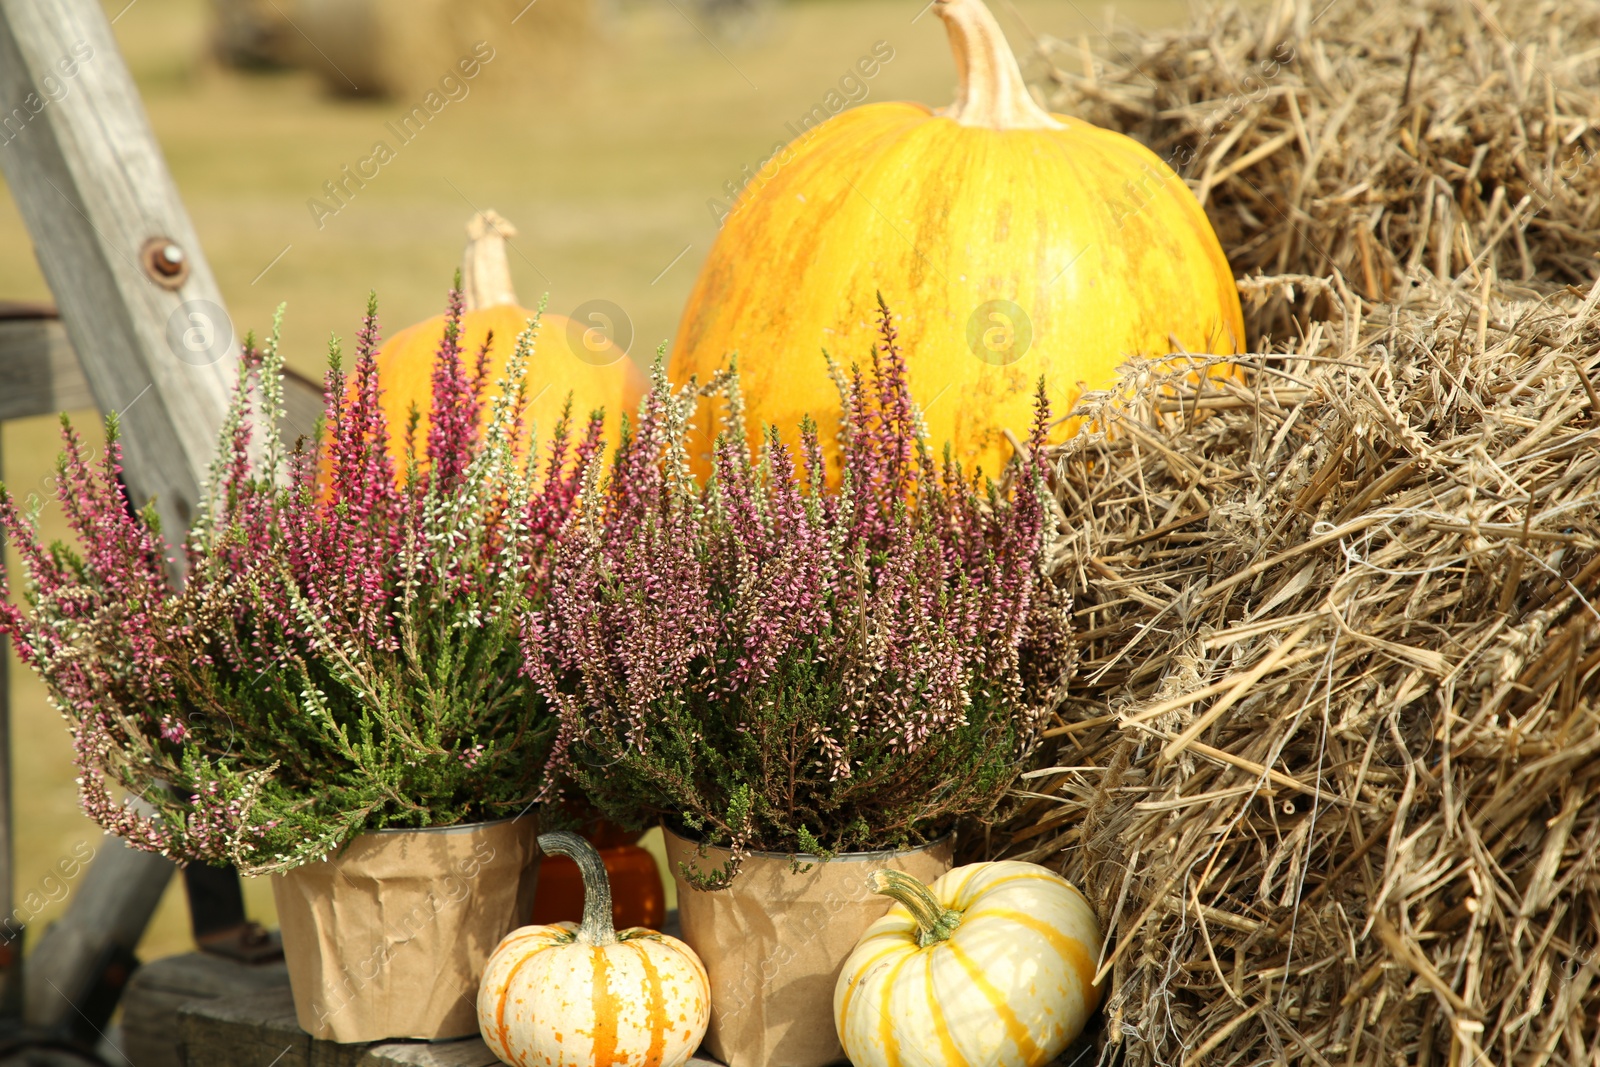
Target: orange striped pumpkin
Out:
[584,995]
[991,966]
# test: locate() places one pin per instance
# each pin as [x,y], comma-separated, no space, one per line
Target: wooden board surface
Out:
[259,1030]
[39,373]
[252,1024]
[148,1035]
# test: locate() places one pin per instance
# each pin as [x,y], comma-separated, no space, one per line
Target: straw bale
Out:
[1330,764]
[1367,136]
[406,49]
[1330,767]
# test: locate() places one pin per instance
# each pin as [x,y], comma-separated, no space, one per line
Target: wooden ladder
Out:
[143,330]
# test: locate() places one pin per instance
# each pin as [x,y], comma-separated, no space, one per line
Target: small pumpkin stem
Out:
[485,274]
[597,927]
[937,921]
[992,93]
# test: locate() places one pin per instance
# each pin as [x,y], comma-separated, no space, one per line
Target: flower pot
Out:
[388,938]
[774,941]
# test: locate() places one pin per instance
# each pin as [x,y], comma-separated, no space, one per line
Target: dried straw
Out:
[1369,136]
[1330,767]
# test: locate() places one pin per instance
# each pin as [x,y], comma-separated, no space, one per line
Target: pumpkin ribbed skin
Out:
[405,368]
[1090,234]
[547,1000]
[571,995]
[1011,986]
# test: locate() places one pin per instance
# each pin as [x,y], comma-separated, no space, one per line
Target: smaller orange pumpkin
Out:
[599,377]
[572,995]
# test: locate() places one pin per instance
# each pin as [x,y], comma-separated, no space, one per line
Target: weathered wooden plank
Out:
[93,188]
[469,1052]
[110,907]
[40,375]
[256,1029]
[158,990]
[302,407]
[253,1030]
[39,372]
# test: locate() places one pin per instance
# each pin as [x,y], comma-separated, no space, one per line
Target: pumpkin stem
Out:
[937,921]
[596,928]
[485,274]
[992,93]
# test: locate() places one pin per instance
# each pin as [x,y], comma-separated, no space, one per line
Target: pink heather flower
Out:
[684,620]
[344,654]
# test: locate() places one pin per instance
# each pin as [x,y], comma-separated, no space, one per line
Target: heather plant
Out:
[775,660]
[344,654]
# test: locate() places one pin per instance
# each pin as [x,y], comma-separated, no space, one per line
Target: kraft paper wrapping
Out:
[388,939]
[774,941]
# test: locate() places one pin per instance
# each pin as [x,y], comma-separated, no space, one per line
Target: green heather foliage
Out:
[345,653]
[771,664]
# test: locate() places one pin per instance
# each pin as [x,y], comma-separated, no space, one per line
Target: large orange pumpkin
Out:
[567,360]
[1010,243]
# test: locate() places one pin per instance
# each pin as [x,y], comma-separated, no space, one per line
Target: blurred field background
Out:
[601,136]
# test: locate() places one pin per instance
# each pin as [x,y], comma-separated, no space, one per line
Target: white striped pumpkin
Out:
[571,995]
[991,966]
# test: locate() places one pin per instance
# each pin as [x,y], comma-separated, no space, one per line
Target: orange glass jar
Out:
[638,897]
